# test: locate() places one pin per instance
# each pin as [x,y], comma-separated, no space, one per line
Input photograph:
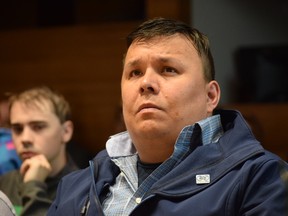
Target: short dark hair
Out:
[167,27]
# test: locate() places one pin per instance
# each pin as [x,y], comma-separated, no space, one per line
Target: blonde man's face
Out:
[37,130]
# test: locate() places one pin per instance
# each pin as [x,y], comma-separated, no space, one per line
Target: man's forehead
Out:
[33,105]
[31,112]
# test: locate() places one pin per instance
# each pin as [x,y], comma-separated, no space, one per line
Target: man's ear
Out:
[67,132]
[213,95]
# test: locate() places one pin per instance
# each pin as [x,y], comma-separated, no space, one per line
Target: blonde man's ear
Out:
[68,128]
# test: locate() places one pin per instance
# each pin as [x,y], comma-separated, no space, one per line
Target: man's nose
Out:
[150,82]
[26,138]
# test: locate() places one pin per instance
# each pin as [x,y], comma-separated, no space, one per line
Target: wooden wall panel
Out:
[82,62]
[174,9]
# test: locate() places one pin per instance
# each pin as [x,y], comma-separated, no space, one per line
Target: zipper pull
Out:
[85,208]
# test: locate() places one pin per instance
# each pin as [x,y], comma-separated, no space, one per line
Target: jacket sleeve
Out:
[267,190]
[34,198]
[6,207]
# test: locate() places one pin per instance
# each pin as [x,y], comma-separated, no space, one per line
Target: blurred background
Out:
[77,48]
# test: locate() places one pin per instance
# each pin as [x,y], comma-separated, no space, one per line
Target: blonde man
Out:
[41,127]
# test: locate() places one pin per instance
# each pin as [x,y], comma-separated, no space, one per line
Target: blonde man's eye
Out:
[38,127]
[17,129]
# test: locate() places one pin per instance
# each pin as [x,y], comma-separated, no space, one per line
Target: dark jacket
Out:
[32,198]
[244,180]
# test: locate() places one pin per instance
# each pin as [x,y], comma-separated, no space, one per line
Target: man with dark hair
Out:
[178,156]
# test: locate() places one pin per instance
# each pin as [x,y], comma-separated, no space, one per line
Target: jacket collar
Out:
[121,144]
[236,145]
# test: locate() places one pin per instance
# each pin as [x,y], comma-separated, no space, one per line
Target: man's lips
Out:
[27,155]
[147,106]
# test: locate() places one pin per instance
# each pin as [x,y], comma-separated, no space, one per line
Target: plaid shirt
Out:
[125,194]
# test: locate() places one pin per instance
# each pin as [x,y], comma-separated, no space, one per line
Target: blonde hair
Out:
[43,94]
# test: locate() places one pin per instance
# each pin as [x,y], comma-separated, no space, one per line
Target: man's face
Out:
[36,130]
[163,87]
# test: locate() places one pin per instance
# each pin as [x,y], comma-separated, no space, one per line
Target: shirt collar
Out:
[121,144]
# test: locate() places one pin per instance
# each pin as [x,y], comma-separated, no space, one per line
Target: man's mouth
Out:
[27,155]
[147,106]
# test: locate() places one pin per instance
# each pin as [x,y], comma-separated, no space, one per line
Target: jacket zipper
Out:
[85,208]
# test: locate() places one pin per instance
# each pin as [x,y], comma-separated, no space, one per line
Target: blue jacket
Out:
[245,180]
[9,159]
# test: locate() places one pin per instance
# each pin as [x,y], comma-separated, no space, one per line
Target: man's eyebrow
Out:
[15,124]
[133,62]
[30,122]
[38,122]
[165,59]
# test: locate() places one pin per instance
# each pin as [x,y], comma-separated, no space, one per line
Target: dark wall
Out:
[82,62]
[77,48]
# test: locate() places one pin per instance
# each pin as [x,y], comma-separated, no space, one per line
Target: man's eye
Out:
[169,70]
[38,127]
[135,73]
[17,129]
